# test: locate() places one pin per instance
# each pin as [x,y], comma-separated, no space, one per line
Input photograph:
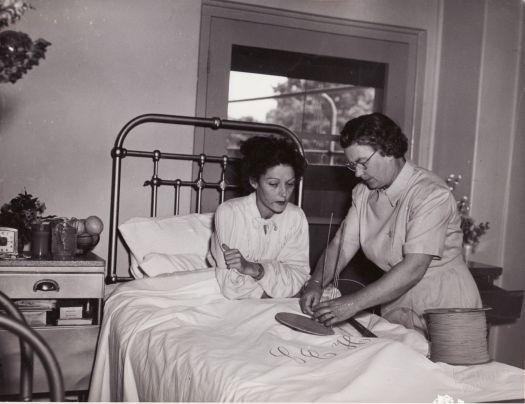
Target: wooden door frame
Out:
[415,39]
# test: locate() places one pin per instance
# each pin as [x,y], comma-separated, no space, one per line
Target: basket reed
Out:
[458,336]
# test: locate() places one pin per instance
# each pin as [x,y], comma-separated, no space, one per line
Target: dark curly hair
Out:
[375,130]
[261,153]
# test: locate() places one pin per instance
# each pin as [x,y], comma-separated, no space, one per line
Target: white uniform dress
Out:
[417,213]
[279,243]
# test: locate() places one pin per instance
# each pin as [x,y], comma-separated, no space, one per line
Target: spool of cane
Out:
[458,336]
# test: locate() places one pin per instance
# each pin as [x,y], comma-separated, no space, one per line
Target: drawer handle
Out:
[46,285]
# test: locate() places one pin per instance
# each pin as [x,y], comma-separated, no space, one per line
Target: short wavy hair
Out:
[260,153]
[375,130]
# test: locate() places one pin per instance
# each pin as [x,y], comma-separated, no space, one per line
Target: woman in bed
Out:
[260,244]
[406,221]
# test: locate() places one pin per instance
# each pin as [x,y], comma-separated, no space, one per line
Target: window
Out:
[312,95]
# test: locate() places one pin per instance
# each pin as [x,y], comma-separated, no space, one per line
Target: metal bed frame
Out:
[198,184]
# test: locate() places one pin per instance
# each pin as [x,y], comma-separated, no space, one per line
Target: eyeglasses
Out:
[353,166]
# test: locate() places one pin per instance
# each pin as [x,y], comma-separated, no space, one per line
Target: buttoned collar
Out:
[258,220]
[398,187]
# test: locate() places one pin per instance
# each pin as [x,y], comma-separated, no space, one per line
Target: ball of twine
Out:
[458,336]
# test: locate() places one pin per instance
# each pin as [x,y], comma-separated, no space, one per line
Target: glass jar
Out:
[40,240]
[63,239]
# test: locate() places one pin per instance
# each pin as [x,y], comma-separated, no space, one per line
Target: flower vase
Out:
[467,253]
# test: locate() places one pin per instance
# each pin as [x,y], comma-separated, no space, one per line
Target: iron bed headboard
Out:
[119,152]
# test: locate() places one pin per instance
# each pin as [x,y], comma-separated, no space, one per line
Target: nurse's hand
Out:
[311,297]
[335,311]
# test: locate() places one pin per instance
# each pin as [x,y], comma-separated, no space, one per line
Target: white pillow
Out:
[156,264]
[171,237]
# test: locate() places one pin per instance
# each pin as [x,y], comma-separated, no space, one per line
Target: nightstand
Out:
[505,304]
[73,288]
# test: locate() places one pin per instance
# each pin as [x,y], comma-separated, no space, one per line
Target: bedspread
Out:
[176,338]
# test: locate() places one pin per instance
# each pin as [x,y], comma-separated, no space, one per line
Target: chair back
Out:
[31,341]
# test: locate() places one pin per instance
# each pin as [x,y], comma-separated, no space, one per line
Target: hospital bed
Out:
[169,335]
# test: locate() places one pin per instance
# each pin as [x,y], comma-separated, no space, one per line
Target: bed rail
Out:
[199,184]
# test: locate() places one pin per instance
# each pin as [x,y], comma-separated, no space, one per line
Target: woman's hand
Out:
[335,311]
[234,259]
[311,297]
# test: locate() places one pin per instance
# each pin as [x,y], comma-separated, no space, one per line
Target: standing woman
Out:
[406,221]
[260,244]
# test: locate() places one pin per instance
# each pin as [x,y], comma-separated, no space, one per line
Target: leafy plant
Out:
[11,11]
[472,231]
[18,53]
[20,213]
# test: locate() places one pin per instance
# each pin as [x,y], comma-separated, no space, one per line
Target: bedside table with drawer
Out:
[72,289]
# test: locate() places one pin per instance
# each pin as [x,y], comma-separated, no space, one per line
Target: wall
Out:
[498,141]
[109,61]
[457,103]
[475,136]
[513,251]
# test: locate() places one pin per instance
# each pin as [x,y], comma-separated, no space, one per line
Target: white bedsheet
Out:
[175,338]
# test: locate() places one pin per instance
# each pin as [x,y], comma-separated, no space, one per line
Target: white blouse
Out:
[279,243]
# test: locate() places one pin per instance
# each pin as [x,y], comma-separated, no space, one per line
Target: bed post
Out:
[116,154]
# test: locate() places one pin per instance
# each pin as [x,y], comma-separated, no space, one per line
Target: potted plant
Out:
[472,231]
[20,213]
